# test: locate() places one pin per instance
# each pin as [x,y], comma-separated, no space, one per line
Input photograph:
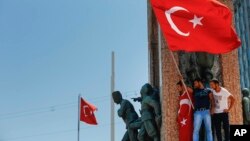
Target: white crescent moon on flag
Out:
[172,24]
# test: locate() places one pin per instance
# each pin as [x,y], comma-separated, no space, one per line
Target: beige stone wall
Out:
[169,96]
[231,81]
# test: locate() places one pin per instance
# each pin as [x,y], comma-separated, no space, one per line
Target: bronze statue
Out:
[188,67]
[138,124]
[192,74]
[150,115]
[208,76]
[246,106]
[155,95]
[205,61]
[128,114]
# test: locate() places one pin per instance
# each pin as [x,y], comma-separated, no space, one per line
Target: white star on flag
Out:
[196,21]
[183,122]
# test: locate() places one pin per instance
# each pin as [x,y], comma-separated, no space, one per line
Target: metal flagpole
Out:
[182,80]
[112,106]
[78,124]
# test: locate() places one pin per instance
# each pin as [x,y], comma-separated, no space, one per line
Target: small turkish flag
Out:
[87,112]
[196,25]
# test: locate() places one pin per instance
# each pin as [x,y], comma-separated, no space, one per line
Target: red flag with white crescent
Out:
[196,25]
[185,118]
[87,112]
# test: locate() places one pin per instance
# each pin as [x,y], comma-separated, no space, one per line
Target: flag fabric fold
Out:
[196,25]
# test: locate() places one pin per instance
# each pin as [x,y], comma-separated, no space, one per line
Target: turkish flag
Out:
[196,25]
[185,117]
[87,112]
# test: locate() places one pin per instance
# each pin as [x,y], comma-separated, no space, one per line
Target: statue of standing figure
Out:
[128,114]
[246,106]
[205,61]
[197,65]
[150,114]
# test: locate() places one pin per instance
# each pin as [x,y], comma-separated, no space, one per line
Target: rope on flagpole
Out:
[182,80]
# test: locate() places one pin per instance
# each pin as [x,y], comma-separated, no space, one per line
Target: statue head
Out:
[245,92]
[192,74]
[117,97]
[208,75]
[146,89]
[205,60]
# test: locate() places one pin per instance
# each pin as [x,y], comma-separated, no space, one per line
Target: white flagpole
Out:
[78,123]
[182,80]
[112,108]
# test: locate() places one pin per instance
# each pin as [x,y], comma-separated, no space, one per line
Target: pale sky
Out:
[52,50]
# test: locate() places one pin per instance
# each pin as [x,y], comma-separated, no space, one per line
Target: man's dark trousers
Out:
[221,118]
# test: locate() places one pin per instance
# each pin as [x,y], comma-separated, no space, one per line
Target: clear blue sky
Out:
[52,50]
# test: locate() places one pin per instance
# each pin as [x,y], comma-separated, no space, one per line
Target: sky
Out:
[53,50]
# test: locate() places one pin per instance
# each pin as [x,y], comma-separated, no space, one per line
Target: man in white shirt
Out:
[223,102]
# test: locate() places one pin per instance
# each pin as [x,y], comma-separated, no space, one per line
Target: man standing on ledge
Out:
[204,106]
[222,98]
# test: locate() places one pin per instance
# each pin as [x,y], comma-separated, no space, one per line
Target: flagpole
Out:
[112,106]
[78,124]
[182,80]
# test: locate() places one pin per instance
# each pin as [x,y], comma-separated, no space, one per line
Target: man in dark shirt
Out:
[204,105]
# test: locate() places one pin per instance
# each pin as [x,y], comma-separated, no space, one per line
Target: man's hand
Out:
[226,111]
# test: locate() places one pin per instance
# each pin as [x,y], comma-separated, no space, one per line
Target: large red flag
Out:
[196,25]
[87,112]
